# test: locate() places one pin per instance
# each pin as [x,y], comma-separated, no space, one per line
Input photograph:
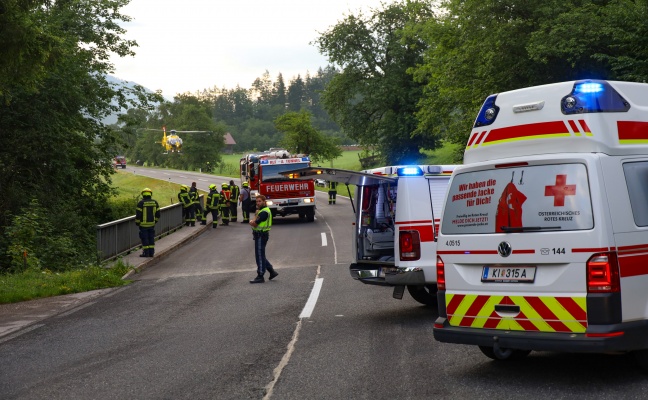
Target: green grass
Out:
[129,187]
[33,284]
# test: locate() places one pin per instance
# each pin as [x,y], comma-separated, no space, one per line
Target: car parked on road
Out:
[320,182]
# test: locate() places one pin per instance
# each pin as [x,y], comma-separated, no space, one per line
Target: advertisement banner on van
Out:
[529,198]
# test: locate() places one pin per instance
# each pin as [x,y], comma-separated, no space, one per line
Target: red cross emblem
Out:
[560,190]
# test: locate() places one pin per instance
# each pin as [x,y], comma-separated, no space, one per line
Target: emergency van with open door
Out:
[396,215]
[543,243]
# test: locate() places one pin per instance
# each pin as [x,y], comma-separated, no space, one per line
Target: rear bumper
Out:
[369,273]
[612,338]
[407,276]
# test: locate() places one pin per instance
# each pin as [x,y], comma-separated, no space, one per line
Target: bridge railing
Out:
[120,237]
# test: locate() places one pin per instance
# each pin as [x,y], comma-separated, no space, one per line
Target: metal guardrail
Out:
[122,236]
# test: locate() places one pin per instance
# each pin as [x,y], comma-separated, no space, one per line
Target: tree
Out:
[478,48]
[301,137]
[55,149]
[374,98]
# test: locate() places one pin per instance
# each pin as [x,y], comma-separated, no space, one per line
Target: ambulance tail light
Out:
[410,245]
[488,112]
[603,273]
[593,96]
[440,267]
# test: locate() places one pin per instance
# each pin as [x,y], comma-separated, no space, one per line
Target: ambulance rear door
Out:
[515,240]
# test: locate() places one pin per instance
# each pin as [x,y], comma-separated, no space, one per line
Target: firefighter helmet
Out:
[147,192]
[245,184]
[224,185]
[184,188]
[212,187]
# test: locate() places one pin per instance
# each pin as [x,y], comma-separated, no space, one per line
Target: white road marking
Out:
[312,299]
[204,180]
[324,243]
[306,313]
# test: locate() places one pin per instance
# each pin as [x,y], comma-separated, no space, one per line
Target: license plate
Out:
[508,274]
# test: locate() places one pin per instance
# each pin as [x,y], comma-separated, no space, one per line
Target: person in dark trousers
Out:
[234,203]
[213,204]
[225,206]
[332,191]
[187,206]
[195,198]
[261,233]
[246,202]
[147,215]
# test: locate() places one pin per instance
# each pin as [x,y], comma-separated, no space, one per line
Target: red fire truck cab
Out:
[284,197]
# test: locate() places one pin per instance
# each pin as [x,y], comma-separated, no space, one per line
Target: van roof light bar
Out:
[593,96]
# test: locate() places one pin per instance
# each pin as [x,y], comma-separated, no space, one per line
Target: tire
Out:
[503,354]
[641,357]
[424,294]
[310,215]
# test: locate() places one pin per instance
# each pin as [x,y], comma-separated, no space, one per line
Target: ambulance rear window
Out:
[636,175]
[524,199]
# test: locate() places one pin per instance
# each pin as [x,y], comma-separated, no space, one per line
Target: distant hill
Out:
[112,119]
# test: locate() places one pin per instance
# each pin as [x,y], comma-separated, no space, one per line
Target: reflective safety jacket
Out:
[213,200]
[332,186]
[225,196]
[147,213]
[264,226]
[185,198]
[235,192]
[193,194]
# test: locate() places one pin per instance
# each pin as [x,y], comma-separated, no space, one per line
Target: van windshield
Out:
[519,200]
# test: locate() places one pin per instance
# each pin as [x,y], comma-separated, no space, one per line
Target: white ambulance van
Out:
[543,243]
[396,216]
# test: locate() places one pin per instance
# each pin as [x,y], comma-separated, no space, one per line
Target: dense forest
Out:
[402,78]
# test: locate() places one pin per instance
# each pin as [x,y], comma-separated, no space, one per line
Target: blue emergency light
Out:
[409,171]
[593,96]
[488,112]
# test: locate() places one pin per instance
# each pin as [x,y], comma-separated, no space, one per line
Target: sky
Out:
[190,45]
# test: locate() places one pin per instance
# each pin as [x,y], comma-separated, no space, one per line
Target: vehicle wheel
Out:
[503,354]
[641,356]
[424,294]
[310,215]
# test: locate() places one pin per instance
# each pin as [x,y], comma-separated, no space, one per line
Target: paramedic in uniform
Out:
[261,232]
[147,215]
[213,204]
[187,206]
[332,192]
[246,202]
[235,192]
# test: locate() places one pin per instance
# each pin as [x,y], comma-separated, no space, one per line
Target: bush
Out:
[32,242]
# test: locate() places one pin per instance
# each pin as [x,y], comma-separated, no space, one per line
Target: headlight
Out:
[309,200]
[269,202]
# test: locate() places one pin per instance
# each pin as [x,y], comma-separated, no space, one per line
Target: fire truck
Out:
[284,196]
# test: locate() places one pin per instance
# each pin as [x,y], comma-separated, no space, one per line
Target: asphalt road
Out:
[192,327]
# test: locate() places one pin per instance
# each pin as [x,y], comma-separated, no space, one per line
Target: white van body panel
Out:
[544,235]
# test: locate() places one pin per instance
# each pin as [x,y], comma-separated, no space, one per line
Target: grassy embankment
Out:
[34,284]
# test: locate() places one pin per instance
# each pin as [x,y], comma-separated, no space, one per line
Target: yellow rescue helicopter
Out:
[171,142]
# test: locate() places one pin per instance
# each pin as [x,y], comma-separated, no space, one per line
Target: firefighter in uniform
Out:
[213,204]
[187,206]
[225,206]
[246,202]
[236,191]
[195,198]
[147,215]
[332,191]
[261,233]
